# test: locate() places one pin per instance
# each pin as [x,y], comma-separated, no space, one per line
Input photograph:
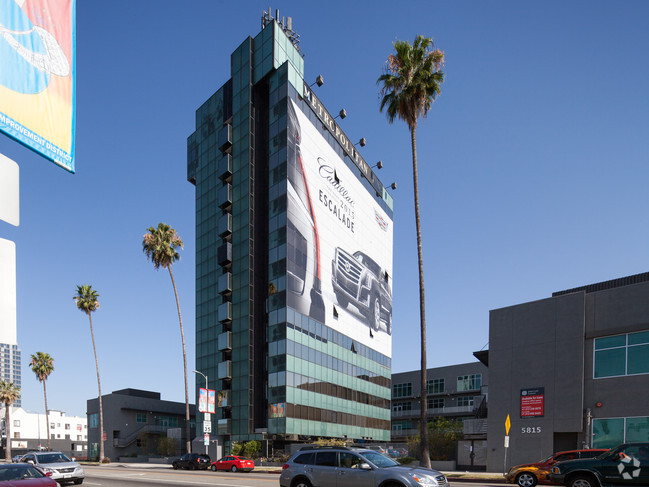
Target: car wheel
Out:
[301,483]
[234,468]
[213,467]
[583,481]
[175,466]
[78,482]
[375,309]
[526,479]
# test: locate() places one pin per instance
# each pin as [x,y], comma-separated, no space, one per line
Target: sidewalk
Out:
[454,476]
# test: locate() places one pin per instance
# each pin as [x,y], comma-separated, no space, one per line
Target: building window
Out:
[402,390]
[67,426]
[435,386]
[94,420]
[140,417]
[610,432]
[465,401]
[399,426]
[435,403]
[17,434]
[620,355]
[471,382]
[17,423]
[52,426]
[401,406]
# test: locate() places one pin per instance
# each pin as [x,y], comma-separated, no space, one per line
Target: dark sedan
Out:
[192,461]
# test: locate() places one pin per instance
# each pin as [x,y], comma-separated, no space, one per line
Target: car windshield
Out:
[52,458]
[19,473]
[379,460]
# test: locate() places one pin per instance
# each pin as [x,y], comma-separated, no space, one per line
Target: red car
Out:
[234,464]
[24,475]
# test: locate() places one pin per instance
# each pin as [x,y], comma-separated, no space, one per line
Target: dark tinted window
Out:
[305,458]
[591,454]
[326,458]
[566,456]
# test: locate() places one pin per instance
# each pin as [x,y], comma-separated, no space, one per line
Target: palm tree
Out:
[409,86]
[42,364]
[160,244]
[87,300]
[9,394]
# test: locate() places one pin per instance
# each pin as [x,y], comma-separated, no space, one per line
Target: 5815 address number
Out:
[530,430]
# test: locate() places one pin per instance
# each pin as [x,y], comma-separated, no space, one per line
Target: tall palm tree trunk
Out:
[47,417]
[425,454]
[101,409]
[8,433]
[182,335]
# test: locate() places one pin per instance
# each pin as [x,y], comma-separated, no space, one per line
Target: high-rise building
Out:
[293,258]
[9,352]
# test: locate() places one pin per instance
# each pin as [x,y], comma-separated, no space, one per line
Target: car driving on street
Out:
[353,467]
[627,464]
[530,474]
[62,469]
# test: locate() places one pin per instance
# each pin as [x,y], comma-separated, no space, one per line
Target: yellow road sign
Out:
[508,425]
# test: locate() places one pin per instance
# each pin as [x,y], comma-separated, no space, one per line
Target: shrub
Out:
[106,460]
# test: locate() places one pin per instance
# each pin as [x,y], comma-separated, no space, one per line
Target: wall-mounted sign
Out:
[532,402]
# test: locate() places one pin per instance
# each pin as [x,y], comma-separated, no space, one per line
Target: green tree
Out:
[251,449]
[42,364]
[409,85]
[9,394]
[160,244]
[443,435]
[237,448]
[87,300]
[166,446]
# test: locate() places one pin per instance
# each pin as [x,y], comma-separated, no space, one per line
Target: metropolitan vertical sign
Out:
[37,75]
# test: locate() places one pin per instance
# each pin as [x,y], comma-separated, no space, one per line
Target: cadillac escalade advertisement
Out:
[339,241]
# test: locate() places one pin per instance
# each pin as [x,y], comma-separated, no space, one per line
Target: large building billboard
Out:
[37,93]
[339,241]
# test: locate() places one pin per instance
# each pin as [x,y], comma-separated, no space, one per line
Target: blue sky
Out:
[533,170]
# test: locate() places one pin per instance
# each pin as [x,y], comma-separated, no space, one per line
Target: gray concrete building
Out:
[134,421]
[456,391]
[570,371]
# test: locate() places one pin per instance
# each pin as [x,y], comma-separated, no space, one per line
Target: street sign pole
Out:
[508,425]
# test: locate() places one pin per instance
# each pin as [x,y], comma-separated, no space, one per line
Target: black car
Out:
[193,461]
[627,464]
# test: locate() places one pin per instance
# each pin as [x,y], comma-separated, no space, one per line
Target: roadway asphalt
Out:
[455,476]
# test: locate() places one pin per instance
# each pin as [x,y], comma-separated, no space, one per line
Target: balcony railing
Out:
[412,413]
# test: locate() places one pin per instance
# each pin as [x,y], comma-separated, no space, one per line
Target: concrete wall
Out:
[533,345]
[550,344]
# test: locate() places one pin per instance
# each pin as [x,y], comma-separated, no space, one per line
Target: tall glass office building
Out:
[293,258]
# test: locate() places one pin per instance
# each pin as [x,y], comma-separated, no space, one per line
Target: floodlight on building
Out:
[318,81]
[378,165]
[341,114]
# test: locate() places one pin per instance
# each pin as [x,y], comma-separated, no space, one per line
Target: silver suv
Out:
[353,467]
[61,467]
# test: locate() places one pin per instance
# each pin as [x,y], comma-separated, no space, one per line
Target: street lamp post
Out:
[206,389]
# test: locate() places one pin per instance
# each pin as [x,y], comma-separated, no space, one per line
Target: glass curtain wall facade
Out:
[281,371]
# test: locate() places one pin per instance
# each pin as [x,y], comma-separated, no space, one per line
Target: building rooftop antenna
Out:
[285,23]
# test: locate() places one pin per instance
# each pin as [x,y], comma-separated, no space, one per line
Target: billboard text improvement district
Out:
[37,43]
